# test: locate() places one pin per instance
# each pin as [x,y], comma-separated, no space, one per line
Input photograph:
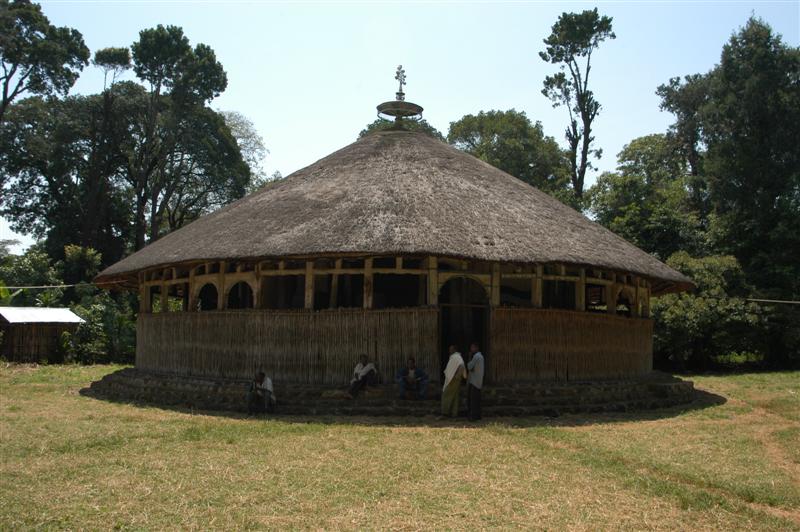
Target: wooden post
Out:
[433,281]
[221,286]
[164,301]
[368,283]
[144,295]
[538,286]
[335,285]
[580,292]
[192,297]
[257,288]
[309,300]
[611,295]
[635,303]
[495,285]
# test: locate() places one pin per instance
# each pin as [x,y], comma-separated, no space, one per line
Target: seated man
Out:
[413,381]
[261,396]
[364,373]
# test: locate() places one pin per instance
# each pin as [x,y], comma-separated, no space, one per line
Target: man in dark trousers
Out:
[475,382]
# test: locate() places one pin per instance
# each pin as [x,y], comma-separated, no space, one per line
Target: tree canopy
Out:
[573,40]
[36,57]
[509,141]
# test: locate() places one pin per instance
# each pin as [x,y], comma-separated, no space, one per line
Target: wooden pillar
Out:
[538,286]
[309,299]
[611,296]
[433,281]
[164,301]
[635,313]
[646,302]
[192,295]
[257,286]
[495,285]
[144,295]
[580,291]
[368,283]
[335,284]
[221,286]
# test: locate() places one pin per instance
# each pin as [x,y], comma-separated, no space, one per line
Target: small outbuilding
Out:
[30,334]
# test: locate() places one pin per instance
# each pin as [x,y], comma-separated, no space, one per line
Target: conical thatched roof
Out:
[398,192]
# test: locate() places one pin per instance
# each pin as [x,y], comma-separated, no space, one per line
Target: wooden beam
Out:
[368,283]
[433,281]
[144,290]
[538,286]
[309,299]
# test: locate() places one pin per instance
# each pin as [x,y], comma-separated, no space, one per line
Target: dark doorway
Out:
[464,316]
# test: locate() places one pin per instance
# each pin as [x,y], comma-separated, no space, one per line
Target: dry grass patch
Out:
[73,462]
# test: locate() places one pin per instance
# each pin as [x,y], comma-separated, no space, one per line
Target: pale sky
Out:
[309,74]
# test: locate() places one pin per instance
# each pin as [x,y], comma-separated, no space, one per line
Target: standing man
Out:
[476,367]
[453,373]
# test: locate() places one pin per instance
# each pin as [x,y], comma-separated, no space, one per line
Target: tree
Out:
[509,141]
[113,61]
[180,78]
[574,37]
[420,125]
[63,161]
[696,329]
[36,57]
[251,145]
[647,200]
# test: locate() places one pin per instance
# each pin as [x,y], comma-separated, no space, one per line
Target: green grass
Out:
[67,461]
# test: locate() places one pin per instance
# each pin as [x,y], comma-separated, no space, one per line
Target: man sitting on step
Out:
[261,396]
[412,381]
[364,373]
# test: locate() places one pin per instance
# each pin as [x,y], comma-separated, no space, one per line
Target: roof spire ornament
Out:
[400,76]
[400,108]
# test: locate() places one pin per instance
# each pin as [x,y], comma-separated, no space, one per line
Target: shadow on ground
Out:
[700,400]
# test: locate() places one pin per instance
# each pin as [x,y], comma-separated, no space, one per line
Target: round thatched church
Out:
[395,246]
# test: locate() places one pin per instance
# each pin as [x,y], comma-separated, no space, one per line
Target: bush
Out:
[107,335]
[713,326]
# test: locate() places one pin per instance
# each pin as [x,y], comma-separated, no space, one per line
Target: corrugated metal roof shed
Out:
[38,315]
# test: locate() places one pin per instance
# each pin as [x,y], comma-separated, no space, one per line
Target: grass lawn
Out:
[68,461]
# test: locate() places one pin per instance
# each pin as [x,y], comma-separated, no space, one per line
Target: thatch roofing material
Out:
[396,192]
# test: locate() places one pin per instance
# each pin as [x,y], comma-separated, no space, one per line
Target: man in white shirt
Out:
[454,372]
[364,373]
[475,382]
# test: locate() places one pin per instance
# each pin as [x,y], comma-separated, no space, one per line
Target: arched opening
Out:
[240,296]
[207,297]
[464,315]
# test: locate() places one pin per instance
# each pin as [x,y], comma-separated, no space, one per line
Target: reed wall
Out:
[558,345]
[290,346]
[32,342]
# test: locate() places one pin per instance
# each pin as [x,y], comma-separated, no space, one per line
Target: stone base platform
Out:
[657,390]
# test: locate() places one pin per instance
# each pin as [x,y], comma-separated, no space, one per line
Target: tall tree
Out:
[511,142]
[36,57]
[179,77]
[251,145]
[574,37]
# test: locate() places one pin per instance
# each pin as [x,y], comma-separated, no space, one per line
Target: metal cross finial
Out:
[401,77]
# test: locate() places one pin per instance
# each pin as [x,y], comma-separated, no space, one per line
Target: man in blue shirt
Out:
[475,382]
[412,381]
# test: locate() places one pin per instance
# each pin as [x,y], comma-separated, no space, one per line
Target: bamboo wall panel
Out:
[290,346]
[553,345]
[32,342]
